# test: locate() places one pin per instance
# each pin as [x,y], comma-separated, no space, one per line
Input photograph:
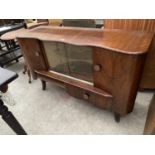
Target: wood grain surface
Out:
[12,34]
[117,40]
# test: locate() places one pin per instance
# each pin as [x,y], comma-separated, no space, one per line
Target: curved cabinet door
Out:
[33,54]
[119,74]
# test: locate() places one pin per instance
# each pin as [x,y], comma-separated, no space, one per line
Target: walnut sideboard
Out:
[101,66]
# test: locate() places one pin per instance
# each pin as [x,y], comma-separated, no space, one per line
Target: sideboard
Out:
[101,66]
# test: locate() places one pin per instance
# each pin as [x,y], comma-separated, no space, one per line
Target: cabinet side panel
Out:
[119,75]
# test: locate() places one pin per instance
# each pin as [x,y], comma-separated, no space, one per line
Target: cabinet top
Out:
[123,41]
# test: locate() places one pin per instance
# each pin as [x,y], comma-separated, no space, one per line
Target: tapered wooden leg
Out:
[117,117]
[29,75]
[9,118]
[25,69]
[43,84]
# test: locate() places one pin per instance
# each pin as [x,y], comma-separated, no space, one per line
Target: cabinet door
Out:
[72,60]
[119,74]
[32,53]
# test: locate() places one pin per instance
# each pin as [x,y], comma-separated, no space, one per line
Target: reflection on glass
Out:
[75,61]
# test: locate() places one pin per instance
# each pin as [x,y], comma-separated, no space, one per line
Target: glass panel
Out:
[75,61]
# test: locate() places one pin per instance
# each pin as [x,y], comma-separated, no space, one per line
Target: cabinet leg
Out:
[25,69]
[29,75]
[43,84]
[117,117]
[9,118]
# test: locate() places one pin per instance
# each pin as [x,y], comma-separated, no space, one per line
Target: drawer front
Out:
[96,99]
[32,53]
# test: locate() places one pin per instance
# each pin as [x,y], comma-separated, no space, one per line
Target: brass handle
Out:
[97,68]
[86,96]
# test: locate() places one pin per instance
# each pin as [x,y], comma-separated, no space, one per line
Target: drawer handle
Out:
[97,68]
[86,96]
[37,53]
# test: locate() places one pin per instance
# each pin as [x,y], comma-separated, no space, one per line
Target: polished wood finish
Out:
[31,51]
[150,120]
[66,80]
[117,64]
[117,40]
[95,98]
[147,80]
[12,34]
[119,75]
[5,78]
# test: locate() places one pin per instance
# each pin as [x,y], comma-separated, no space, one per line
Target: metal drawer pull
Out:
[86,96]
[97,68]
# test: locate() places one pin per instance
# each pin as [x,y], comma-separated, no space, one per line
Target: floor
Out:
[55,112]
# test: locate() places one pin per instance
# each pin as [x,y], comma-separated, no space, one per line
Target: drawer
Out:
[100,100]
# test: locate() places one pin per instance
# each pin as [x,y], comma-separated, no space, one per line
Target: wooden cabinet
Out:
[114,58]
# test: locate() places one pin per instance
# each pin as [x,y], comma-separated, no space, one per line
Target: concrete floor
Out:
[55,112]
